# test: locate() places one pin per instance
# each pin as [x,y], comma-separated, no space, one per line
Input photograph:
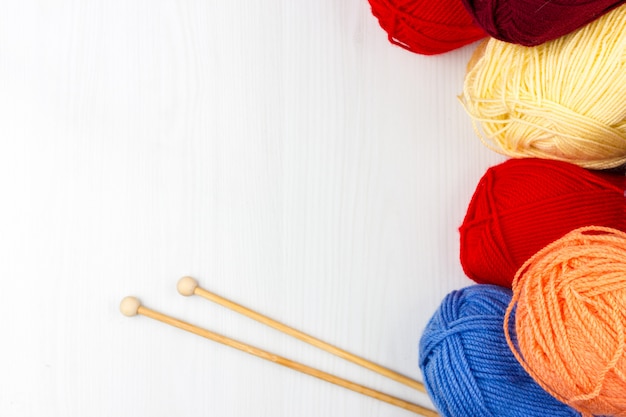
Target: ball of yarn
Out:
[533,22]
[521,205]
[426,27]
[468,368]
[569,303]
[563,99]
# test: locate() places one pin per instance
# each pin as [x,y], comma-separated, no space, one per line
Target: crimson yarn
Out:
[426,27]
[521,205]
[533,22]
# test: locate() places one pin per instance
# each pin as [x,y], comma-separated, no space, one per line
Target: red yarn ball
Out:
[522,205]
[426,27]
[533,22]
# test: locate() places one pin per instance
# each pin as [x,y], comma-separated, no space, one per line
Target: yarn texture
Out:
[522,205]
[468,368]
[533,22]
[426,27]
[562,100]
[569,304]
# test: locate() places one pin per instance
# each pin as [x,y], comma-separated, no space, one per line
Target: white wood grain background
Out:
[284,153]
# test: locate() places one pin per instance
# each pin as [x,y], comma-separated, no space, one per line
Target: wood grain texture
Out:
[284,153]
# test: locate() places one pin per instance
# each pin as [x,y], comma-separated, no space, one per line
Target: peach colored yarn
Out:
[569,309]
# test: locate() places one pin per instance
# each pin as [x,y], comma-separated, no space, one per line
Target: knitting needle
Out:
[189,286]
[131,306]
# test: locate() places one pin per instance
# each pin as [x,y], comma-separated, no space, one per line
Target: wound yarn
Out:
[533,22]
[468,368]
[426,27]
[569,312]
[562,100]
[522,205]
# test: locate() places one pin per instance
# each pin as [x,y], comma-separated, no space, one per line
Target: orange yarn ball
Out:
[569,308]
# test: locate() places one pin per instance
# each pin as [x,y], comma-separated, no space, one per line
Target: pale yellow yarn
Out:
[564,99]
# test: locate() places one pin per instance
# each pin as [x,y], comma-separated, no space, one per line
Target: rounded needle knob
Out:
[187,286]
[130,306]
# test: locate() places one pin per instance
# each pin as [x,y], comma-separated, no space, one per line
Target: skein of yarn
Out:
[468,367]
[563,99]
[533,22]
[426,27]
[569,332]
[521,205]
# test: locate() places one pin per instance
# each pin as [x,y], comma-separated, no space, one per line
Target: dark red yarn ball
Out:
[522,205]
[533,22]
[426,27]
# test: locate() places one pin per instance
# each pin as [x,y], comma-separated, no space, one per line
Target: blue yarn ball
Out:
[468,368]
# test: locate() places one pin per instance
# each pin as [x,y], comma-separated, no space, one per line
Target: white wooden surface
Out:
[282,152]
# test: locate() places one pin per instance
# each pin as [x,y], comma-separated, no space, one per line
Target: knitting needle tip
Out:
[130,306]
[187,286]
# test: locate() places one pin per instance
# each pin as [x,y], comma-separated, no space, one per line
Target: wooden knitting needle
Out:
[131,306]
[189,286]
